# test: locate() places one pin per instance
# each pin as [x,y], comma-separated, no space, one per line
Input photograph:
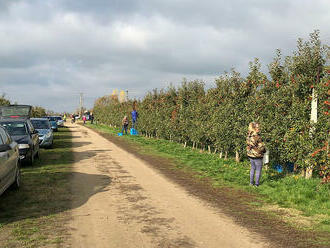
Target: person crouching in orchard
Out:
[125,124]
[255,151]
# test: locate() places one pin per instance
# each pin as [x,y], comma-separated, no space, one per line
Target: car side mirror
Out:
[4,147]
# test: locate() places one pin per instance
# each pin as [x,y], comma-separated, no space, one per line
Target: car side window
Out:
[9,138]
[3,137]
[30,126]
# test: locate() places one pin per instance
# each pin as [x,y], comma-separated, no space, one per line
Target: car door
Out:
[34,137]
[7,162]
[13,155]
[3,161]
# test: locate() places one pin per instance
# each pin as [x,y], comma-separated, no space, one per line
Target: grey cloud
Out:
[60,48]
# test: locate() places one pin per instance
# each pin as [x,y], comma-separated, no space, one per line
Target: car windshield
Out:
[15,110]
[58,118]
[40,124]
[15,128]
[51,118]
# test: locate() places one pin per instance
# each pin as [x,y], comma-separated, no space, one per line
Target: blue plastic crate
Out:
[278,168]
[120,134]
[133,131]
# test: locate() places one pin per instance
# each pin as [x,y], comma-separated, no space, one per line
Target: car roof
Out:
[39,119]
[14,119]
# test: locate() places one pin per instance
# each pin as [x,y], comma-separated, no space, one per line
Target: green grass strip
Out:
[33,215]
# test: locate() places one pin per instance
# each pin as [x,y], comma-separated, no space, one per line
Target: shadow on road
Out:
[79,156]
[32,202]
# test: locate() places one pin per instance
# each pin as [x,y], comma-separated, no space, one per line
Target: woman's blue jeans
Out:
[256,166]
[133,123]
[124,129]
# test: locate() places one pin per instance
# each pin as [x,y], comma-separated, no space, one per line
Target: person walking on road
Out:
[125,124]
[255,151]
[91,118]
[73,118]
[84,119]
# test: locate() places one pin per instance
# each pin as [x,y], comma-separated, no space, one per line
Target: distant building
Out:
[122,96]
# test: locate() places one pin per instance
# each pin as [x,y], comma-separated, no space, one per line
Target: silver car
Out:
[45,132]
[9,162]
[59,121]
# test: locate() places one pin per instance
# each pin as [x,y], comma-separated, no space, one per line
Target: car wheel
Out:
[17,183]
[37,155]
[31,159]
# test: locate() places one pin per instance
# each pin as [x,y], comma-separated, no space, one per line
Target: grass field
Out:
[34,215]
[305,203]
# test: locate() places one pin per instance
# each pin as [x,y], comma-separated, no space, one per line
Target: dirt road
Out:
[119,201]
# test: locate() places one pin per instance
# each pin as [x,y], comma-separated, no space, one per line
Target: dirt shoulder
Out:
[232,202]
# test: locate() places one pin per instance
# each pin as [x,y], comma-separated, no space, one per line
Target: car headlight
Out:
[47,135]
[23,146]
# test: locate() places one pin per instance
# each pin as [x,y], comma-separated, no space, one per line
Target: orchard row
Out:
[217,118]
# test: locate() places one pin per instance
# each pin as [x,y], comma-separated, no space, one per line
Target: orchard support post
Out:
[309,169]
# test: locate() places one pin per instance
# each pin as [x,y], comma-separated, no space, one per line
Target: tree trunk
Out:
[209,148]
[221,154]
[309,172]
[303,172]
[237,158]
[215,150]
[226,155]
[185,144]
[193,147]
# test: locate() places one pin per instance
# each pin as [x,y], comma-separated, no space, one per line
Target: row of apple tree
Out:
[216,119]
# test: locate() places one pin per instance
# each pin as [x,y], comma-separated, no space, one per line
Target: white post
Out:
[314,107]
[309,170]
[265,160]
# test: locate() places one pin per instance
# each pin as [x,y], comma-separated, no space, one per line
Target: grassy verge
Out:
[302,203]
[34,215]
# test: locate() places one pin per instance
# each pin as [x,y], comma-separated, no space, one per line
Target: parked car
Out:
[23,132]
[45,132]
[53,122]
[15,111]
[15,119]
[9,162]
[60,121]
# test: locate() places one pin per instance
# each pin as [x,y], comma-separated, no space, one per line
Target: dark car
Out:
[9,162]
[22,131]
[53,122]
[15,111]
[46,137]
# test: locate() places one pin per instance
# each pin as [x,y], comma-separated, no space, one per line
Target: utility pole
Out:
[127,95]
[81,103]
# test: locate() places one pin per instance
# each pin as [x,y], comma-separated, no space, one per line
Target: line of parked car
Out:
[20,140]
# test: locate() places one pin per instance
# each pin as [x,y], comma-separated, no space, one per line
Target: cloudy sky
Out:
[52,50]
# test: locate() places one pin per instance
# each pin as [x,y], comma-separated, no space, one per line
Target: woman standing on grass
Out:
[125,124]
[255,151]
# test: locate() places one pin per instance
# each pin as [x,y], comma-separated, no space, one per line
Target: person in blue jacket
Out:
[135,116]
